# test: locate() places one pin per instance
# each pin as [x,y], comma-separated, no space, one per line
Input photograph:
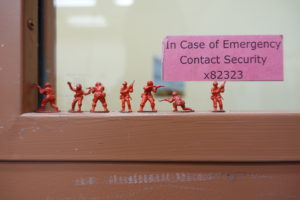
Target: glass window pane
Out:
[115,40]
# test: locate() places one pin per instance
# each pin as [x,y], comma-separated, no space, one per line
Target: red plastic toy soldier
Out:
[78,97]
[177,101]
[50,97]
[125,96]
[99,95]
[147,95]
[216,96]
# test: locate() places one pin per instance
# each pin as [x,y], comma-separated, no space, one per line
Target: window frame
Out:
[163,136]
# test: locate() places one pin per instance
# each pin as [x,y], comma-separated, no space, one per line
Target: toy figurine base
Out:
[46,111]
[218,111]
[146,111]
[184,111]
[75,111]
[98,111]
[125,111]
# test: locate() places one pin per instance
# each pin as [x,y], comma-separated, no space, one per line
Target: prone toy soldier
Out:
[177,101]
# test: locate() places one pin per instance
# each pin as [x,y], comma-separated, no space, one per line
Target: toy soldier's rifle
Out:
[224,84]
[222,88]
[167,99]
[41,90]
[90,90]
[158,86]
[131,85]
[36,85]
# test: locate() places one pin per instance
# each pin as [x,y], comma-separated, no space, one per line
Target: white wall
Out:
[118,43]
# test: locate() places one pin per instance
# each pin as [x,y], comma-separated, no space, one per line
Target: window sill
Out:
[162,136]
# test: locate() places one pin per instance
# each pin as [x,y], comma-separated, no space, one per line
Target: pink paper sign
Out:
[234,58]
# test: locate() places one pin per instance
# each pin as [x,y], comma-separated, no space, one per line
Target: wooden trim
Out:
[200,136]
[161,136]
[30,55]
[96,181]
[164,136]
[11,77]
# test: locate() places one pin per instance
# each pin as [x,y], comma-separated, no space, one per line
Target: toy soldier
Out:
[99,95]
[216,96]
[147,95]
[50,97]
[177,101]
[125,95]
[78,97]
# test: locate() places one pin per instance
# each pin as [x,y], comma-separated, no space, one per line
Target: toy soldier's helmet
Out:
[150,83]
[98,84]
[124,83]
[174,93]
[78,86]
[47,84]
[215,83]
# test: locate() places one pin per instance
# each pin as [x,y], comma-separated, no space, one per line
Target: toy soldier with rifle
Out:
[125,95]
[99,95]
[216,96]
[147,95]
[48,91]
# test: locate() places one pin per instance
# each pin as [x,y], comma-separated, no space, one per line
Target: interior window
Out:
[115,40]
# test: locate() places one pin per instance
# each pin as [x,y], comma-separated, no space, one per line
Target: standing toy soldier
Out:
[177,101]
[99,95]
[78,97]
[125,95]
[147,95]
[50,97]
[216,96]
